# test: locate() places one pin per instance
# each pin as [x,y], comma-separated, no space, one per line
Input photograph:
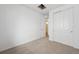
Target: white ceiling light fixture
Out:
[46,22]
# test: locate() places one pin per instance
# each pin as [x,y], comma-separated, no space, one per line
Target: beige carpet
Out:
[42,46]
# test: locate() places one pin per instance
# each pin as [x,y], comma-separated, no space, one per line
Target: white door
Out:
[63,23]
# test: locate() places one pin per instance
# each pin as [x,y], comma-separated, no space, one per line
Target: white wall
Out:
[50,26]
[19,25]
[75,29]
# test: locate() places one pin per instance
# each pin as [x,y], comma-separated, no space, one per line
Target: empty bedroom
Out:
[39,28]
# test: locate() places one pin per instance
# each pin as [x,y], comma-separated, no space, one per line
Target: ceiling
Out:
[44,11]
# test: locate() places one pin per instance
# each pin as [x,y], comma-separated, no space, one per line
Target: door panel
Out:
[63,22]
